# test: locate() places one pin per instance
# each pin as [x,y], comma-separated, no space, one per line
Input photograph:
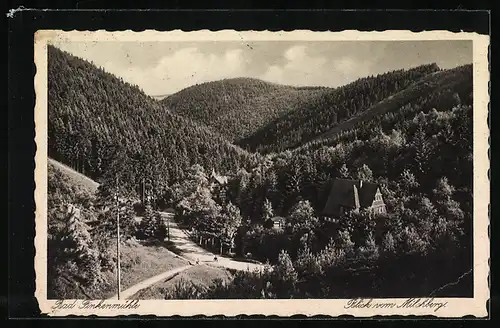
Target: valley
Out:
[221,188]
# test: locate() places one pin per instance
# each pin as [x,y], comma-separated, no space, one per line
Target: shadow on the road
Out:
[172,247]
[176,246]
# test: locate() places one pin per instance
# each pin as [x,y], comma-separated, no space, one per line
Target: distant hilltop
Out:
[160,97]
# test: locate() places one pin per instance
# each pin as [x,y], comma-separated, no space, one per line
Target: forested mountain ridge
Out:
[238,107]
[329,108]
[410,132]
[418,148]
[102,126]
[384,142]
[448,85]
[421,155]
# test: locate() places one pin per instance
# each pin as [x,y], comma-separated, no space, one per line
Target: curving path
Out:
[125,294]
[187,248]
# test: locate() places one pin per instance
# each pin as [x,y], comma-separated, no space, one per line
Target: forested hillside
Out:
[420,155]
[100,125]
[429,135]
[238,107]
[408,131]
[329,108]
[446,85]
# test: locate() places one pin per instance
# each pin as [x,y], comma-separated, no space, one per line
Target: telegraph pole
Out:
[118,240]
[143,193]
[168,228]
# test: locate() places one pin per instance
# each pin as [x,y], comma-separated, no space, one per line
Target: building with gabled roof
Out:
[218,186]
[347,195]
[220,179]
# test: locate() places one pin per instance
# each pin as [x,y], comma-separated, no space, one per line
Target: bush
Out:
[152,226]
[139,208]
[184,290]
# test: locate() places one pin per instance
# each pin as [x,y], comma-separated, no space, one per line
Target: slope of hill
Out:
[329,107]
[384,138]
[99,124]
[74,177]
[139,261]
[238,107]
[448,84]
[421,155]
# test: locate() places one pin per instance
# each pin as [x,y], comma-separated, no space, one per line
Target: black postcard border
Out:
[22,25]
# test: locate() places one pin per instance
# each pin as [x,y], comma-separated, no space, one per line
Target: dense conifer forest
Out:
[409,131]
[102,125]
[329,108]
[239,107]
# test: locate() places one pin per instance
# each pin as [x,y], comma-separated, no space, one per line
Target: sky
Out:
[163,68]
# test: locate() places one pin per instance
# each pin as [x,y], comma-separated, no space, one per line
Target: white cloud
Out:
[351,69]
[345,65]
[295,53]
[169,73]
[163,68]
[182,69]
[299,69]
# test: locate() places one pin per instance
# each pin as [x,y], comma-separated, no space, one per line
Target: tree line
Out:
[329,108]
[420,153]
[101,125]
[238,107]
[421,156]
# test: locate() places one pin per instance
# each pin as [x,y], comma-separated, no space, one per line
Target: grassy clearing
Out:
[143,262]
[76,178]
[138,262]
[202,275]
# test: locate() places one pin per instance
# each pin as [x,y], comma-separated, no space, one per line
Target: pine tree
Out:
[422,151]
[285,274]
[292,187]
[364,173]
[79,246]
[114,203]
[388,243]
[150,224]
[273,193]
[344,172]
[267,210]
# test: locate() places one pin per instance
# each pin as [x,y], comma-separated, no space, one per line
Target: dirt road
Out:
[187,248]
[125,294]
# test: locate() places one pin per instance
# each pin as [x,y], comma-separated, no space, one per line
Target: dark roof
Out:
[277,219]
[221,179]
[351,194]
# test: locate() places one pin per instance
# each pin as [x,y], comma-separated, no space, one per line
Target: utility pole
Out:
[143,198]
[118,240]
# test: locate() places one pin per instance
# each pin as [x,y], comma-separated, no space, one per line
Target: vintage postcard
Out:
[269,173]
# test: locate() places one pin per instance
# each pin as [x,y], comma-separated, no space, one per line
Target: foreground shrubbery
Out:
[152,226]
[82,241]
[342,270]
[419,151]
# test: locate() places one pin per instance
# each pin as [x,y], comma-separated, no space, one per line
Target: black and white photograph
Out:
[254,169]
